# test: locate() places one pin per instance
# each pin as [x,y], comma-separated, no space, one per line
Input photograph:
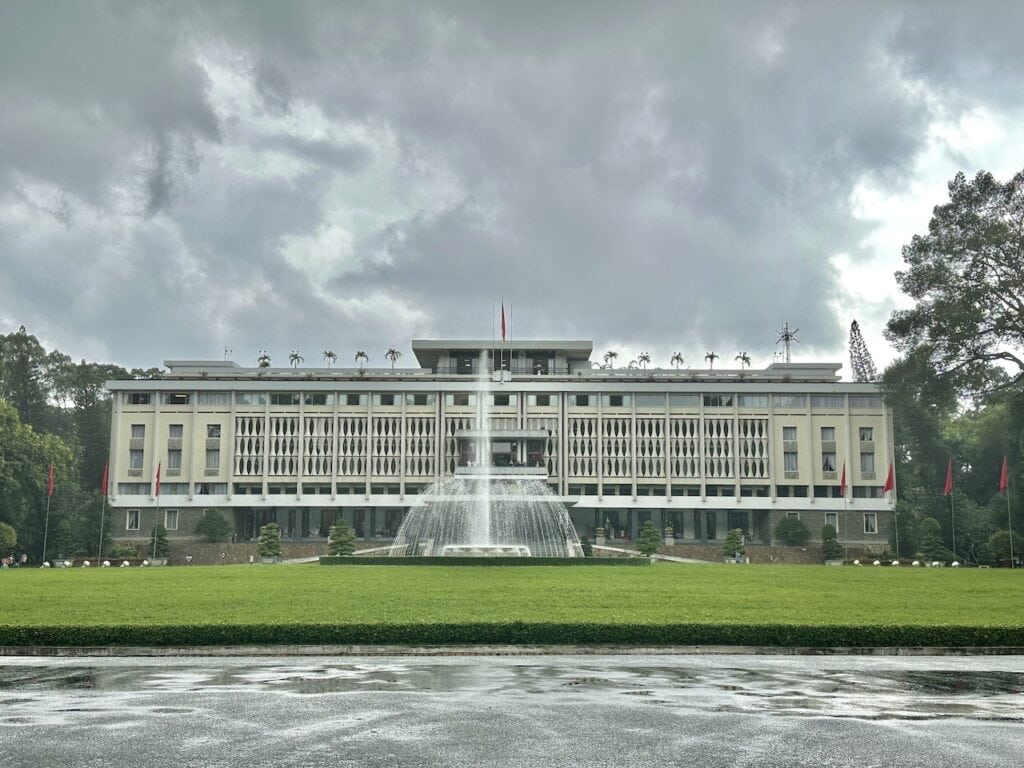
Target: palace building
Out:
[703,451]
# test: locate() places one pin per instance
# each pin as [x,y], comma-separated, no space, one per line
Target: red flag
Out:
[948,488]
[1003,483]
[158,479]
[890,480]
[503,321]
[49,487]
[842,481]
[103,483]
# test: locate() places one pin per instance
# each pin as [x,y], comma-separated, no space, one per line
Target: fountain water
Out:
[484,515]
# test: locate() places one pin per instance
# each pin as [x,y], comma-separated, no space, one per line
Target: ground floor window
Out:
[832,518]
[171,519]
[133,520]
[870,522]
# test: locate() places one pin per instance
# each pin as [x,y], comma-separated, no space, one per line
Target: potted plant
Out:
[269,543]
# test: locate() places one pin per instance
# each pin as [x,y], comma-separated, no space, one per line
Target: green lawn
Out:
[667,603]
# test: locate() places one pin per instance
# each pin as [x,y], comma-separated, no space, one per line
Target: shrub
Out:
[269,543]
[588,550]
[158,546]
[341,539]
[830,548]
[649,539]
[1000,544]
[930,545]
[792,532]
[214,527]
[734,543]
[8,537]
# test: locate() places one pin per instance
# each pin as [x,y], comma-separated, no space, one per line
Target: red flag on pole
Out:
[890,480]
[49,485]
[158,479]
[842,481]
[948,488]
[103,482]
[503,321]
[1003,481]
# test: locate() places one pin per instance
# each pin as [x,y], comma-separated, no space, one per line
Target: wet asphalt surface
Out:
[512,711]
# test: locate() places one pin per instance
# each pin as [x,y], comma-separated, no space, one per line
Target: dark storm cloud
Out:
[654,177]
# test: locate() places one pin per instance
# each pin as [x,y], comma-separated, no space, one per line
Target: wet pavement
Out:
[512,711]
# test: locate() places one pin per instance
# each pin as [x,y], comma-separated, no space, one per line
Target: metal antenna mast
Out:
[860,359]
[786,339]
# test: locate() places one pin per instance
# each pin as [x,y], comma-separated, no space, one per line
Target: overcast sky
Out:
[181,178]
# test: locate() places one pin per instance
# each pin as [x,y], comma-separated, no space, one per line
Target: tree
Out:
[830,548]
[1000,544]
[341,540]
[792,532]
[644,359]
[733,544]
[295,358]
[711,357]
[677,360]
[649,539]
[330,358]
[213,526]
[609,358]
[392,354]
[8,538]
[967,277]
[158,544]
[861,364]
[744,360]
[930,545]
[269,542]
[263,359]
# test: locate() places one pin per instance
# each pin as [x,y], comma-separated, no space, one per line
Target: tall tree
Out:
[967,277]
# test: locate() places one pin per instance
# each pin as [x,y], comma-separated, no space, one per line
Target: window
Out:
[867,462]
[384,399]
[251,398]
[213,458]
[133,520]
[460,398]
[171,519]
[174,489]
[865,401]
[650,401]
[420,398]
[351,398]
[581,401]
[504,400]
[870,522]
[789,434]
[790,462]
[867,434]
[176,398]
[794,515]
[212,431]
[540,400]
[828,434]
[138,431]
[867,492]
[683,401]
[832,518]
[133,489]
[826,401]
[175,431]
[615,401]
[284,398]
[174,459]
[752,401]
[135,458]
[214,398]
[717,401]
[138,398]
[317,398]
[789,401]
[828,461]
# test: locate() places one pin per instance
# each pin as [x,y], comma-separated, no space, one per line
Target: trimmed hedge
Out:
[516,633]
[565,561]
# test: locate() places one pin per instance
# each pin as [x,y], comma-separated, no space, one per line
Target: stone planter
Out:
[833,562]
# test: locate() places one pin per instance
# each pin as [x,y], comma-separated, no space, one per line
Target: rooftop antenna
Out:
[860,359]
[227,352]
[786,339]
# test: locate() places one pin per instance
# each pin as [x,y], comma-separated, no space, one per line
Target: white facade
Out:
[700,450]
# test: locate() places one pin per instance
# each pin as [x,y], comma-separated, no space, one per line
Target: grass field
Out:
[667,603]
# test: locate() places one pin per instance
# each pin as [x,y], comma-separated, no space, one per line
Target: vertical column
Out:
[230,452]
[300,470]
[266,444]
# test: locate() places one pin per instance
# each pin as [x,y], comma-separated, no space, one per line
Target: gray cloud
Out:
[655,177]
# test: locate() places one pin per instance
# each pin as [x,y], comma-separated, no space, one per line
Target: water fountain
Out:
[485,511]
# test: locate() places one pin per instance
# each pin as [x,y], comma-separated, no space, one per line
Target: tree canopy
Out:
[967,277]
